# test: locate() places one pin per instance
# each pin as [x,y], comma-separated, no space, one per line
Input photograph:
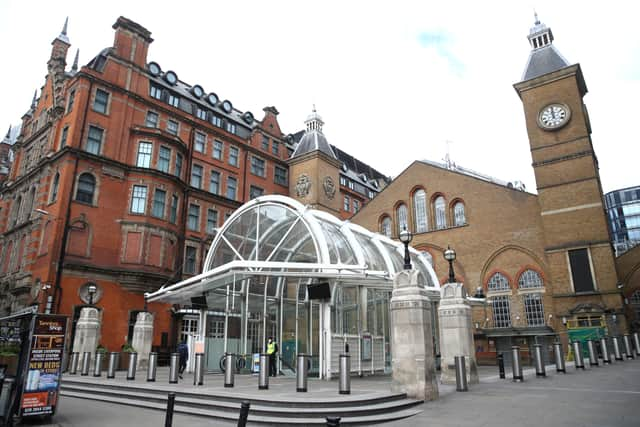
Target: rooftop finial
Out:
[74,67]
[314,108]
[8,133]
[64,29]
[314,121]
[35,96]
[535,14]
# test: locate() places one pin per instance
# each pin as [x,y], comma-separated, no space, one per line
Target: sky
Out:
[394,81]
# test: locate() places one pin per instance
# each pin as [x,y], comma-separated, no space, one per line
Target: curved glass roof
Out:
[278,236]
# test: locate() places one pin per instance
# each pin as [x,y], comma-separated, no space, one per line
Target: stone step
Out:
[256,414]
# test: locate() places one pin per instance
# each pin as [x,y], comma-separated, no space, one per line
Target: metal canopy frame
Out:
[276,236]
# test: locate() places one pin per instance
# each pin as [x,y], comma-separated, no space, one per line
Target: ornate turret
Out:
[56,66]
[74,67]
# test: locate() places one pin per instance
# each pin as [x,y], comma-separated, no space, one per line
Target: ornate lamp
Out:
[91,289]
[405,237]
[450,256]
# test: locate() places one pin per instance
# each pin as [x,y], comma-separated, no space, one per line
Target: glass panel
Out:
[297,247]
[222,255]
[242,234]
[336,239]
[275,221]
[396,259]
[373,257]
[425,277]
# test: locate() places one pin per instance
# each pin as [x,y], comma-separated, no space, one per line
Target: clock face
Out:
[554,116]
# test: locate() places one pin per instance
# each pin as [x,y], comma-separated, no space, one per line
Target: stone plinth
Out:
[87,335]
[413,364]
[143,338]
[456,334]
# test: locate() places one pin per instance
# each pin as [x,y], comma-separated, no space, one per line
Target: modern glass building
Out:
[313,282]
[623,212]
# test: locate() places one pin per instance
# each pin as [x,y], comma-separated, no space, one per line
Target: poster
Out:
[42,383]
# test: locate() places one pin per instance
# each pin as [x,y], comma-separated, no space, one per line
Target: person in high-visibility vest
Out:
[272,351]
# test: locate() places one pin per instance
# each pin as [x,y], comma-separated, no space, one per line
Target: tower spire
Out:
[33,101]
[63,34]
[8,134]
[64,29]
[74,67]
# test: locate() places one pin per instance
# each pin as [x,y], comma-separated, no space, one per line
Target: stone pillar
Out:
[87,335]
[456,334]
[412,339]
[143,338]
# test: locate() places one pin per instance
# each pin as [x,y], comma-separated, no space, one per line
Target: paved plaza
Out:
[599,396]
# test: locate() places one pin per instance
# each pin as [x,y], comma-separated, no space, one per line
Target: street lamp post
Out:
[91,289]
[450,256]
[405,237]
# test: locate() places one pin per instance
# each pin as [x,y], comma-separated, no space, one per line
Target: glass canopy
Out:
[279,237]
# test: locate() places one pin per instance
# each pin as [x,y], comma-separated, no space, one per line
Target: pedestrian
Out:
[183,352]
[272,351]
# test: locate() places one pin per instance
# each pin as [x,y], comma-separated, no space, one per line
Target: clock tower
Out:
[577,241]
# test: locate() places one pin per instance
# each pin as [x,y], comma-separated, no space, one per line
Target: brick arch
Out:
[495,254]
[382,218]
[516,283]
[485,281]
[451,213]
[416,188]
[432,210]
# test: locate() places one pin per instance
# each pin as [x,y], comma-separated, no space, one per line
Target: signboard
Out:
[42,383]
[255,363]
[366,347]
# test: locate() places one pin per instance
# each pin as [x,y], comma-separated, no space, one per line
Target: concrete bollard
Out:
[86,363]
[113,364]
[131,369]
[301,373]
[73,366]
[628,350]
[636,342]
[559,357]
[97,366]
[229,368]
[516,365]
[501,365]
[198,372]
[539,361]
[461,374]
[577,355]
[616,349]
[604,349]
[263,379]
[593,357]
[344,386]
[152,367]
[174,368]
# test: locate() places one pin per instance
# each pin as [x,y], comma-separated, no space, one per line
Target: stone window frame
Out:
[174,208]
[257,166]
[211,212]
[265,143]
[235,187]
[277,178]
[440,220]
[216,144]
[204,142]
[420,214]
[146,157]
[161,149]
[107,104]
[135,198]
[70,100]
[236,150]
[102,139]
[197,217]
[55,186]
[502,290]
[524,277]
[146,119]
[154,203]
[195,167]
[253,188]
[382,224]
[96,188]
[64,135]
[212,174]
[196,249]
[173,130]
[455,203]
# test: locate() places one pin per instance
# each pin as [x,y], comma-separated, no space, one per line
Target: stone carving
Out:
[329,187]
[303,185]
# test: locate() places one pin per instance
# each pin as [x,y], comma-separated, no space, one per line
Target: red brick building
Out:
[122,174]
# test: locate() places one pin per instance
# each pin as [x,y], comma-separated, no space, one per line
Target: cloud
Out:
[441,43]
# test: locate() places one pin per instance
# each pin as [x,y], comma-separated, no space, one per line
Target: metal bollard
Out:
[173,368]
[593,357]
[636,342]
[461,374]
[153,367]
[229,365]
[263,379]
[557,350]
[606,358]
[86,362]
[537,354]
[501,365]
[97,366]
[616,349]
[628,350]
[515,364]
[198,372]
[577,355]
[333,421]
[344,386]
[171,401]
[301,373]
[113,364]
[131,369]
[244,413]
[73,366]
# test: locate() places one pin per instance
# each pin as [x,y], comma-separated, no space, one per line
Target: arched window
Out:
[530,279]
[420,210]
[439,207]
[86,188]
[634,300]
[28,207]
[401,214]
[54,187]
[385,226]
[459,217]
[16,211]
[498,282]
